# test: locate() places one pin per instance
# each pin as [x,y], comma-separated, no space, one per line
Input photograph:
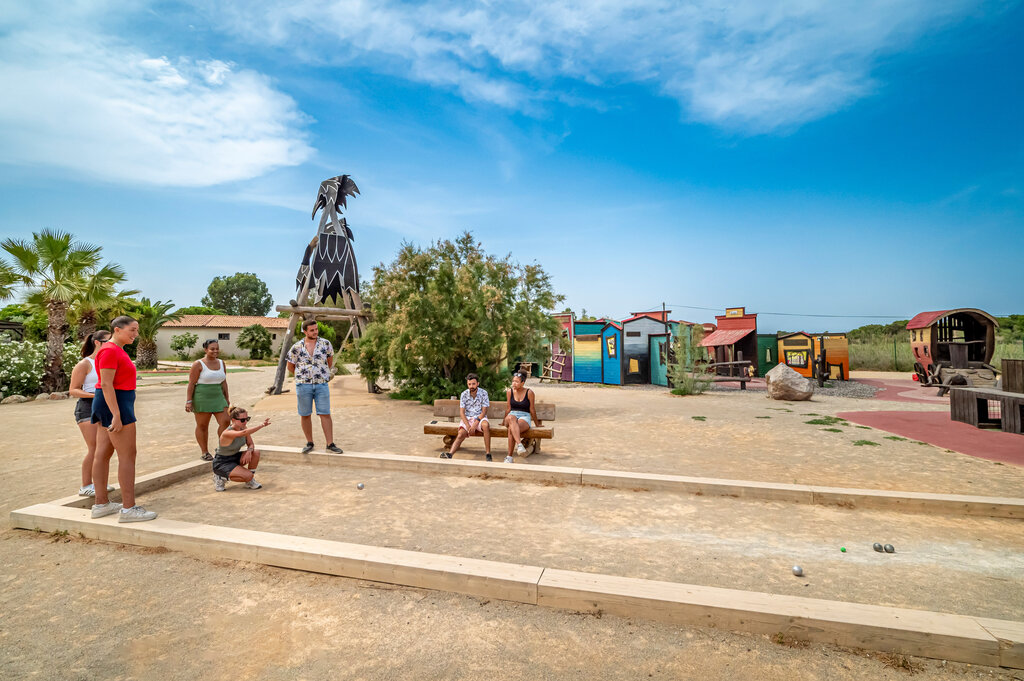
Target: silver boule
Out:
[877,547]
[798,571]
[889,548]
[359,486]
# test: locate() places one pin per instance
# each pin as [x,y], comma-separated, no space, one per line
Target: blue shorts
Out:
[102,415]
[524,415]
[310,392]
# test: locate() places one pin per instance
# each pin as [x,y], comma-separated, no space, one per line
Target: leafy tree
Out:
[151,317]
[686,350]
[256,339]
[57,270]
[451,309]
[243,293]
[182,344]
[198,309]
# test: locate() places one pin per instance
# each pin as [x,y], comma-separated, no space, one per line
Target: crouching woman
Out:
[231,462]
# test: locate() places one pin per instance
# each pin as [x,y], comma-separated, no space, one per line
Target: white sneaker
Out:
[135,514]
[100,510]
[218,483]
[252,484]
[508,459]
[87,491]
[520,449]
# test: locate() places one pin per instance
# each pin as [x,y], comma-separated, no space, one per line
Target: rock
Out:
[14,399]
[42,396]
[786,384]
[58,396]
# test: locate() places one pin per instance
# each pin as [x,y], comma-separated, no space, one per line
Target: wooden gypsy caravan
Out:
[954,347]
[734,340]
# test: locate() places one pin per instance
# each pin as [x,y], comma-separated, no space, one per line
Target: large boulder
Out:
[59,396]
[42,396]
[14,399]
[786,384]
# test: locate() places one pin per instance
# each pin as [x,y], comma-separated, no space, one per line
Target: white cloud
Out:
[746,65]
[93,105]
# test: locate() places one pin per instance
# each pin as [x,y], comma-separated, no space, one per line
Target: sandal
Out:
[207,456]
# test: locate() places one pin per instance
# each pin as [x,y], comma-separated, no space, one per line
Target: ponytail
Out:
[95,337]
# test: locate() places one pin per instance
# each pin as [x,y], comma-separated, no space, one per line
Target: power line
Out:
[797,314]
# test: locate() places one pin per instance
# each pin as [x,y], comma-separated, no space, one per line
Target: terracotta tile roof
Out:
[193,321]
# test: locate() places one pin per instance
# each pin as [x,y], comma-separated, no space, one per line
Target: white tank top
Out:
[91,379]
[208,376]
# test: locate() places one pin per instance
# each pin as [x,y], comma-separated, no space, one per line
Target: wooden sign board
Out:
[735,311]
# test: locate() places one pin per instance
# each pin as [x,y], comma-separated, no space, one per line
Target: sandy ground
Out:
[72,609]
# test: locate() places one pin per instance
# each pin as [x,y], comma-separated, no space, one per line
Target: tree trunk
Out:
[56,327]
[146,358]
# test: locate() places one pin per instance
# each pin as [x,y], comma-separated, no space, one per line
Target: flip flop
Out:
[207,456]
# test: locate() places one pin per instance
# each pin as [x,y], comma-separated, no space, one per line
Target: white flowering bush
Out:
[22,365]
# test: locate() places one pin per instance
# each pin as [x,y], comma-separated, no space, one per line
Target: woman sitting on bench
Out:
[520,414]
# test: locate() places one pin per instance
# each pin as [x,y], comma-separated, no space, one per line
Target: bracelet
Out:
[188,401]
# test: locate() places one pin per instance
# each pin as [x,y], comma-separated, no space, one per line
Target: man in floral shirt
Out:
[311,360]
[473,405]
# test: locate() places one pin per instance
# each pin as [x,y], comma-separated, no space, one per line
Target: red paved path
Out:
[935,427]
[900,390]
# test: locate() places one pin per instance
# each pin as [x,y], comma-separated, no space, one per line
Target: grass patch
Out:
[865,427]
[762,417]
[865,443]
[895,438]
[811,414]
[699,418]
[779,409]
[832,430]
[826,421]
[918,442]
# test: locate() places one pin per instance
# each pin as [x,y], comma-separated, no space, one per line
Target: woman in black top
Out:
[520,413]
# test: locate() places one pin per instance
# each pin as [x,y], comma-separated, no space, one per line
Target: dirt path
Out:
[72,609]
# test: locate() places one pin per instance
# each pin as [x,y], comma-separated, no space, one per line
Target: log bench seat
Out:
[449,428]
[987,407]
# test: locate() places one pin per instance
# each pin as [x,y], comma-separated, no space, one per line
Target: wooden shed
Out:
[586,351]
[560,364]
[837,354]
[636,345]
[735,338]
[612,357]
[796,350]
[947,342]
[767,352]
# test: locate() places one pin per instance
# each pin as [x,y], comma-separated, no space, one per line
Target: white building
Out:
[222,328]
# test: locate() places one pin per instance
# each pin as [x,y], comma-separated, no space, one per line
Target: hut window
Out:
[926,351]
[223,336]
[632,334]
[913,335]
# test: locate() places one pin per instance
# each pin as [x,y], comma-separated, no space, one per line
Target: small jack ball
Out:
[359,486]
[842,549]
[798,571]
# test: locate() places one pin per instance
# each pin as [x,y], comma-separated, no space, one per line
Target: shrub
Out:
[682,372]
[256,340]
[22,365]
[183,344]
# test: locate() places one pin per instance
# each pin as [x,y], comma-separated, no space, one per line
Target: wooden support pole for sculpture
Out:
[321,311]
[286,344]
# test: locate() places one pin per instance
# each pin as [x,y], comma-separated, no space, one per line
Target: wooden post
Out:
[286,344]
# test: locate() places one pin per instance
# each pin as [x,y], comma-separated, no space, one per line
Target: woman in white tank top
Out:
[83,386]
[207,396]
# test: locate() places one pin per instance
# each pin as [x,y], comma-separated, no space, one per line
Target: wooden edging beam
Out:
[938,635]
[914,502]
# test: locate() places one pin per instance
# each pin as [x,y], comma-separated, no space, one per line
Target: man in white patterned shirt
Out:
[473,405]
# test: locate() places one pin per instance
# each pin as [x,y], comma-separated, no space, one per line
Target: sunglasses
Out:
[247,418]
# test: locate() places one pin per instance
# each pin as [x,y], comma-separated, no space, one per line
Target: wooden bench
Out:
[987,407]
[449,409]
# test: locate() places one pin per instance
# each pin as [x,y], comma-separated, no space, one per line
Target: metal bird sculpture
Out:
[330,253]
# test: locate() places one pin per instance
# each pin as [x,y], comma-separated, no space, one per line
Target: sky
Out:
[823,164]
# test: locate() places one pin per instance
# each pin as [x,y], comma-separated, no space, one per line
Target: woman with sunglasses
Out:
[207,396]
[84,378]
[231,463]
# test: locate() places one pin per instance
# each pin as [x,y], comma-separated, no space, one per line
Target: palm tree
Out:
[151,317]
[55,269]
[99,296]
[8,280]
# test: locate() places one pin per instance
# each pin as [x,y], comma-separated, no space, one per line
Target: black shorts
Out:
[125,403]
[223,465]
[83,410]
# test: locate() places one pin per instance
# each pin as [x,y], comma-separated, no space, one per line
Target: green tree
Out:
[198,309]
[243,293]
[98,294]
[256,339]
[8,281]
[182,344]
[686,350]
[151,317]
[56,269]
[451,309]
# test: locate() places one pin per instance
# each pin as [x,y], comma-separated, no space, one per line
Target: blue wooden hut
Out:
[611,354]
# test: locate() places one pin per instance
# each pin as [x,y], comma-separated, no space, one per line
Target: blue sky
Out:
[851,159]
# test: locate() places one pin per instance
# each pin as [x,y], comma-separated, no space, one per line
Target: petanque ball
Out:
[889,548]
[798,571]
[877,547]
[359,486]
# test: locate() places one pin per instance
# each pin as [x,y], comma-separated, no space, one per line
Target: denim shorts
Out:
[83,410]
[310,392]
[524,415]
